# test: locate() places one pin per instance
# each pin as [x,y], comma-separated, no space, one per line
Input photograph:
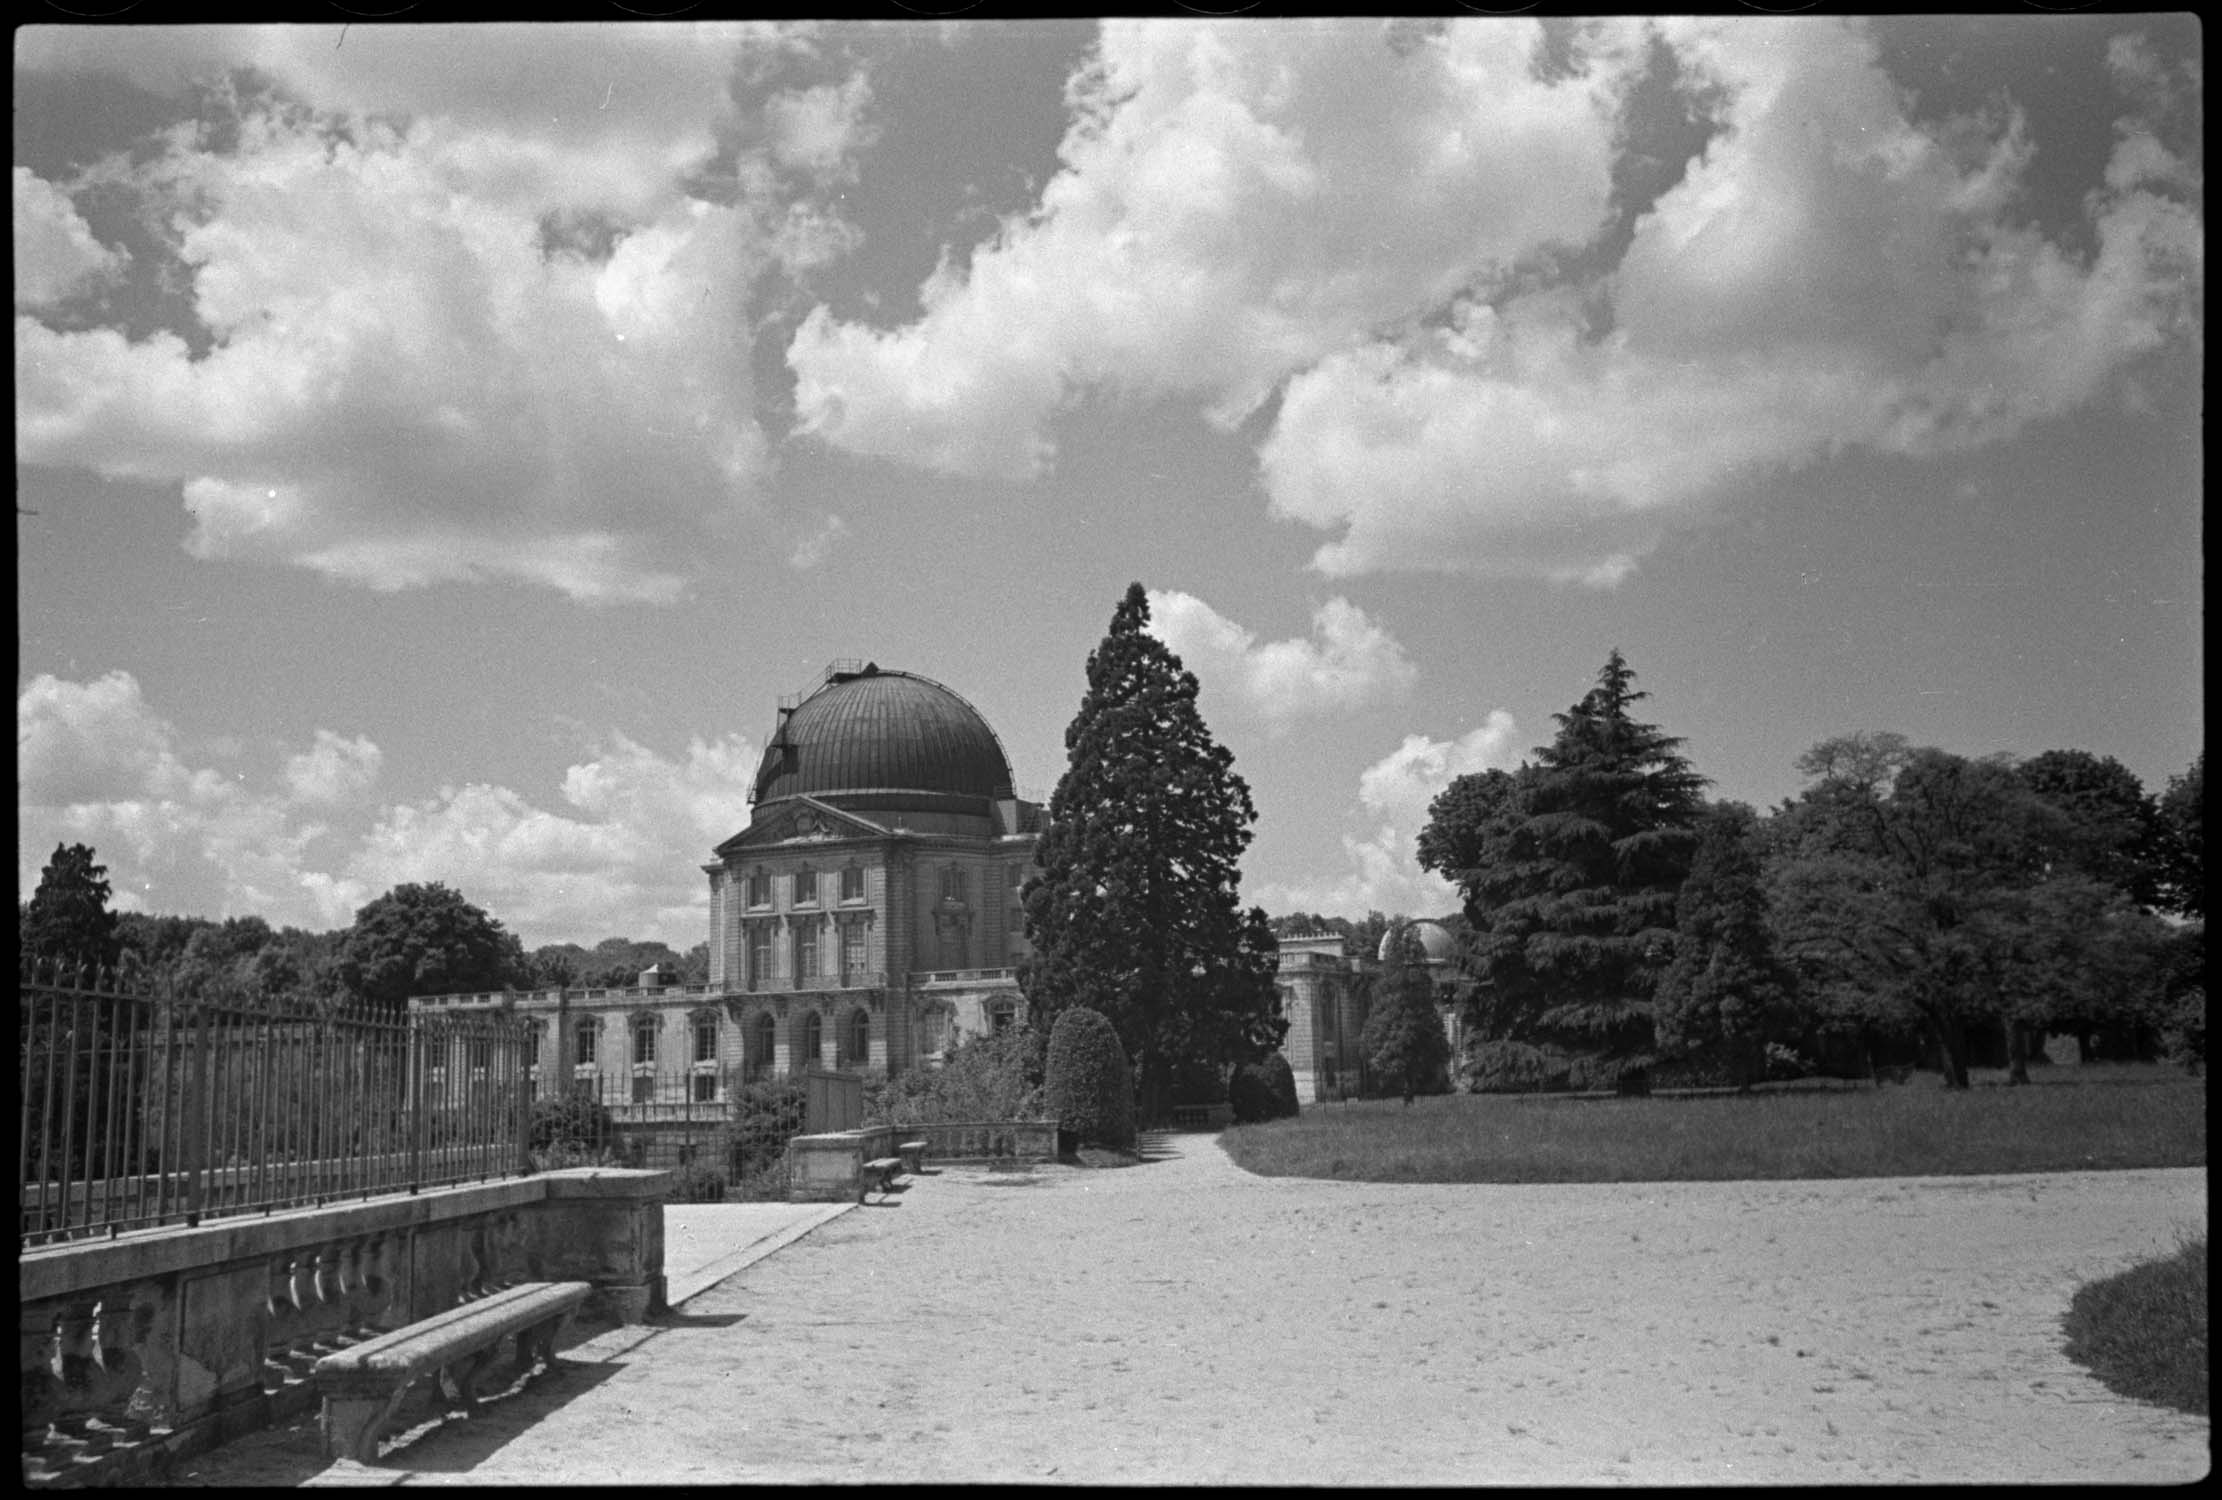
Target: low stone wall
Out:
[986,1140]
[163,1343]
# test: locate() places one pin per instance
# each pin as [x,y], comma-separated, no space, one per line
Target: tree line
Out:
[1617,920]
[416,939]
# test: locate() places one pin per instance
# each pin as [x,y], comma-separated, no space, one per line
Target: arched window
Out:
[757,1045]
[813,1039]
[856,1039]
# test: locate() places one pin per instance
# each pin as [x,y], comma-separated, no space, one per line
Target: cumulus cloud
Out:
[1487,360]
[456,312]
[820,130]
[1382,868]
[1347,663]
[56,255]
[618,853]
[1237,202]
[820,540]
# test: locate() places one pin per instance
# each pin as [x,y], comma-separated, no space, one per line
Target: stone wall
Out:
[160,1344]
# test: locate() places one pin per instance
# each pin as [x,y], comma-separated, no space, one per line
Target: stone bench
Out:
[913,1154]
[363,1386]
[877,1175]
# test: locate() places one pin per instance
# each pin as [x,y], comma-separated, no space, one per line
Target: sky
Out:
[439,448]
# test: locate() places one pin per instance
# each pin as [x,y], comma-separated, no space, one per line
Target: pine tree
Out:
[1570,868]
[68,920]
[1727,992]
[1136,911]
[1404,1041]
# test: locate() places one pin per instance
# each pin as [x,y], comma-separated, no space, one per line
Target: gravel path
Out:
[1186,1322]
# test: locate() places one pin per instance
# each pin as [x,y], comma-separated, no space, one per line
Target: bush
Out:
[1088,1085]
[765,1117]
[697,1182]
[571,1129]
[996,1076]
[1257,1092]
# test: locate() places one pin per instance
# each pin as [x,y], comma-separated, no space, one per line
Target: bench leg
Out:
[459,1379]
[353,1424]
[536,1345]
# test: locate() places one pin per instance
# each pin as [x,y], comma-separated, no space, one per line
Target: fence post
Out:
[193,1126]
[415,1095]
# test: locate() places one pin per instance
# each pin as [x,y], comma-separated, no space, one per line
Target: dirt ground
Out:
[1185,1322]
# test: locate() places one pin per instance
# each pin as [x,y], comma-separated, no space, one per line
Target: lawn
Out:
[2074,1119]
[2144,1333]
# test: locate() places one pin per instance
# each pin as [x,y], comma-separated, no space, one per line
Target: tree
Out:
[2182,841]
[1914,872]
[68,920]
[1135,911]
[426,940]
[1087,1083]
[1570,868]
[1727,993]
[2112,829]
[1404,1041]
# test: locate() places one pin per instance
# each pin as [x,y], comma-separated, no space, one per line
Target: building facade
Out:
[866,917]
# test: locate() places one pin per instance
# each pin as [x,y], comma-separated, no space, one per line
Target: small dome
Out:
[882,731]
[1434,937]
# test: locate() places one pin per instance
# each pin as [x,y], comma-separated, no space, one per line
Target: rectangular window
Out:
[760,956]
[706,1040]
[806,956]
[806,888]
[759,889]
[589,1040]
[852,952]
[705,1088]
[852,883]
[644,1043]
[952,883]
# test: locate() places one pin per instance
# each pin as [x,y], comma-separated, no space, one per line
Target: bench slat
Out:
[428,1341]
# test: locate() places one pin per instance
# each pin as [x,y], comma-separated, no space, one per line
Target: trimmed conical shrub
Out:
[1087,1083]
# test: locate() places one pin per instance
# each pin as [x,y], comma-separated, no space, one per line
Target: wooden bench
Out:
[363,1386]
[913,1154]
[878,1176]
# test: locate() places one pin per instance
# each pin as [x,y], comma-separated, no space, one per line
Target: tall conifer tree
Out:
[1570,868]
[1136,912]
[68,919]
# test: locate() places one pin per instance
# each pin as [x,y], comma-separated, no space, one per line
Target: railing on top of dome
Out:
[840,666]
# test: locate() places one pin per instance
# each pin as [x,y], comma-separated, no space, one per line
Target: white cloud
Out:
[821,130]
[1348,663]
[56,255]
[468,319]
[336,770]
[1826,275]
[620,855]
[1410,243]
[1383,871]
[1238,201]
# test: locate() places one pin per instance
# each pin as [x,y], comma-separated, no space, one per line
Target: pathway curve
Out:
[1185,1321]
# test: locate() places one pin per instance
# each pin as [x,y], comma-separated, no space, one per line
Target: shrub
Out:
[1257,1092]
[1280,1083]
[697,1182]
[571,1128]
[1249,1097]
[765,1117]
[996,1076]
[1088,1085]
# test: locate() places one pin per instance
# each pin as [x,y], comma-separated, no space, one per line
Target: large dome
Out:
[873,732]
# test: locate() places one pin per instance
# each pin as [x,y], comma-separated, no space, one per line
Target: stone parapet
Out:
[151,1347]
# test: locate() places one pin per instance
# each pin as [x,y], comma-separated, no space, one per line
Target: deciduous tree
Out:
[426,940]
[1136,910]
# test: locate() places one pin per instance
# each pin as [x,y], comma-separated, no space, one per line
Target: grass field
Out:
[2073,1119]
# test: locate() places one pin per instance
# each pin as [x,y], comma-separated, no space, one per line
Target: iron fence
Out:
[141,1108]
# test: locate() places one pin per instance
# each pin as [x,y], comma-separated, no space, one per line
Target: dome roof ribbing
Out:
[882,731]
[1435,941]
